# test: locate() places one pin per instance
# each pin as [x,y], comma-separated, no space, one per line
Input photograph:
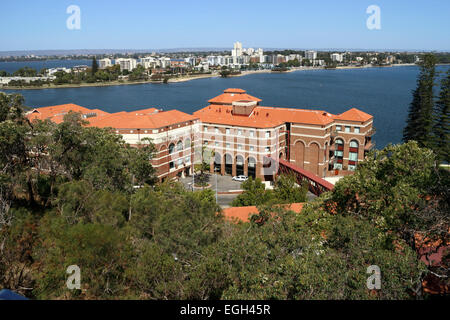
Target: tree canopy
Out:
[67,198]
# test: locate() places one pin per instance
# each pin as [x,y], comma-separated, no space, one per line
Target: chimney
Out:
[243,107]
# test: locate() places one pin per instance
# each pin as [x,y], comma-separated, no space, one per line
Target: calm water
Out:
[39,65]
[383,92]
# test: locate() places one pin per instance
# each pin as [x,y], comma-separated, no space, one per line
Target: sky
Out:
[159,24]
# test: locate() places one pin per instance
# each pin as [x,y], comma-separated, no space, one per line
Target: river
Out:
[383,92]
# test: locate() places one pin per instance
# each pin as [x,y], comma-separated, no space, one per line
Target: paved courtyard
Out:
[224,184]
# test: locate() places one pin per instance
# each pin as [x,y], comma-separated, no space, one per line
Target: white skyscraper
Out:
[237,51]
[311,55]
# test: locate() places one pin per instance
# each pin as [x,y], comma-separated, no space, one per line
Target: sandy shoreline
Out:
[190,78]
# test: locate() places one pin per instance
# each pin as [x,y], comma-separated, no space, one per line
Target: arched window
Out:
[353,155]
[354,144]
[179,146]
[171,148]
[338,154]
[187,143]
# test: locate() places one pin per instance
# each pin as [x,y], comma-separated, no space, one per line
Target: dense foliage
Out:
[428,118]
[285,190]
[67,198]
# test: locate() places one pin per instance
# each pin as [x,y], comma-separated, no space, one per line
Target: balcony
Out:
[369,146]
[371,132]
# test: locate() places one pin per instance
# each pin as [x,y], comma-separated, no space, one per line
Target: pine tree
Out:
[94,66]
[441,129]
[420,119]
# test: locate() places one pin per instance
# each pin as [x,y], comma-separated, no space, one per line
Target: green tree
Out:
[254,194]
[101,252]
[441,127]
[420,118]
[94,68]
[400,190]
[286,190]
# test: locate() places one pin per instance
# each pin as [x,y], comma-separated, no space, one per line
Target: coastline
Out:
[193,77]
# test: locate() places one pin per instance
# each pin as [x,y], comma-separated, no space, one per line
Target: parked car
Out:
[240,178]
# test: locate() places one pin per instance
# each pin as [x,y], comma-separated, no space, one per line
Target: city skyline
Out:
[404,25]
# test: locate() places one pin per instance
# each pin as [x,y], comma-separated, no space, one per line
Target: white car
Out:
[240,178]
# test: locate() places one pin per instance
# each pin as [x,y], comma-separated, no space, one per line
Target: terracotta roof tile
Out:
[354,115]
[262,117]
[231,95]
[150,118]
[137,120]
[57,113]
[244,213]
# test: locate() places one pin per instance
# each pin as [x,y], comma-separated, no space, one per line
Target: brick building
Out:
[243,135]
[237,136]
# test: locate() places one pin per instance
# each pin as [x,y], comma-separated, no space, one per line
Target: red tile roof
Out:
[57,113]
[137,120]
[244,213]
[150,118]
[231,95]
[354,115]
[262,117]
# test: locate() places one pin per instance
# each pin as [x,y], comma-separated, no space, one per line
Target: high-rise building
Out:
[237,51]
[311,55]
[104,63]
[126,64]
[337,57]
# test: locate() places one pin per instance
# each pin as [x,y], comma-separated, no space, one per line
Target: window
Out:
[339,149]
[187,159]
[267,134]
[205,143]
[347,129]
[252,133]
[337,166]
[227,145]
[171,165]
[267,149]
[205,128]
[338,128]
[187,143]
[239,146]
[353,156]
[216,130]
[357,130]
[252,148]
[239,132]
[216,144]
[171,148]
[179,146]
[227,130]
[180,162]
[354,144]
[352,167]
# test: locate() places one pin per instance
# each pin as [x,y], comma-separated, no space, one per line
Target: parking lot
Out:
[224,184]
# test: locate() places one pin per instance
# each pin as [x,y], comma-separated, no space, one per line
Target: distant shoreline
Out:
[193,77]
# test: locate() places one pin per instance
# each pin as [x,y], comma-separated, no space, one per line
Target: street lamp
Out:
[215,170]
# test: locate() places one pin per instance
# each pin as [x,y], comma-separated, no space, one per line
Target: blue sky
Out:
[149,24]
